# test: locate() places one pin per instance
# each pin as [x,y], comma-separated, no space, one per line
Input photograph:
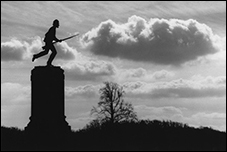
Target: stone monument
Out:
[47,101]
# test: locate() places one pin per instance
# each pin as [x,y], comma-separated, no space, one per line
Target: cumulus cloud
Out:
[19,50]
[158,41]
[181,88]
[89,70]
[13,50]
[65,52]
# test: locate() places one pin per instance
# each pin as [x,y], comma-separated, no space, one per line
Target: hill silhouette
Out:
[141,135]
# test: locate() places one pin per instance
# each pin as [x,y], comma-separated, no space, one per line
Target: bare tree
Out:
[111,106]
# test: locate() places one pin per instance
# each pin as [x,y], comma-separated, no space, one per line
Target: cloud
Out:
[181,88]
[159,75]
[215,120]
[19,50]
[15,104]
[196,87]
[65,52]
[13,50]
[158,41]
[84,91]
[161,113]
[89,70]
[141,74]
[217,59]
[15,115]
[157,112]
[80,121]
[15,94]
[214,115]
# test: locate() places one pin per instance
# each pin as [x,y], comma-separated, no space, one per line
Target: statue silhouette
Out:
[49,37]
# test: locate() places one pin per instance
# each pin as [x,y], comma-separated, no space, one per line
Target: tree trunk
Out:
[112,112]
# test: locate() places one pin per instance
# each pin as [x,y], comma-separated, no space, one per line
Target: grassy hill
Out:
[141,135]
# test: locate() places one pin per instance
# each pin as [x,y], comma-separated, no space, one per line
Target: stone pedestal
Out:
[47,101]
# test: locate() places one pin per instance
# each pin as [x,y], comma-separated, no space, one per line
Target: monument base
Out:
[47,104]
[46,127]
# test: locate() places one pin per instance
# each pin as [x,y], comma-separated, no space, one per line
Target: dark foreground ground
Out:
[142,135]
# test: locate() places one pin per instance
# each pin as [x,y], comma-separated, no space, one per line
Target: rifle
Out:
[63,39]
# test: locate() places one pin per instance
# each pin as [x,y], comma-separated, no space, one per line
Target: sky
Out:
[170,57]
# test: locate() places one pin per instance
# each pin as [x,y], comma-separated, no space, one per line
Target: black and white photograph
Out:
[113,75]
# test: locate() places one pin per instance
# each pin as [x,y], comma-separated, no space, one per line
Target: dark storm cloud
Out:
[158,41]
